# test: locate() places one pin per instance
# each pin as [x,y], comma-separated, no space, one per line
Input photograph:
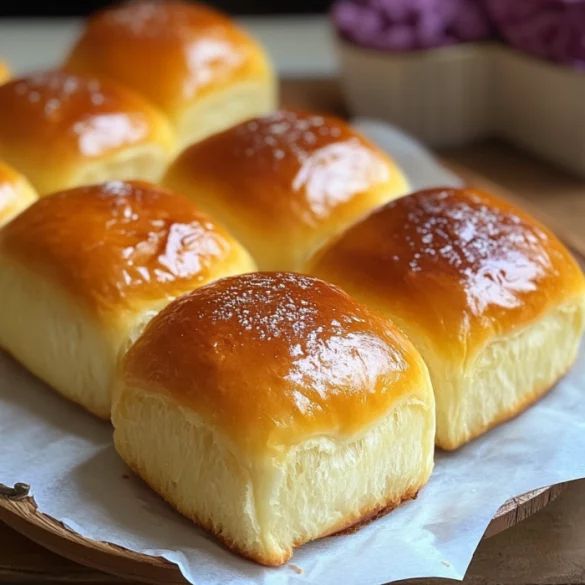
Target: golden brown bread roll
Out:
[65,130]
[494,302]
[285,183]
[16,193]
[192,61]
[302,412]
[82,271]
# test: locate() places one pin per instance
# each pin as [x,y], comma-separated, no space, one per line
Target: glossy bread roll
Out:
[494,302]
[65,130]
[16,193]
[285,183]
[82,271]
[192,61]
[302,413]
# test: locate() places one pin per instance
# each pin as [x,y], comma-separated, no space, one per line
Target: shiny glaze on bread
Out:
[275,358]
[459,264]
[171,52]
[53,122]
[120,243]
[284,182]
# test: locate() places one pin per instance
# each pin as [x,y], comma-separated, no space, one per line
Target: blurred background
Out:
[449,72]
[76,8]
[296,33]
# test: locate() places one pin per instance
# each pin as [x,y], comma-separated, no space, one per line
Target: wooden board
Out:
[22,515]
[546,549]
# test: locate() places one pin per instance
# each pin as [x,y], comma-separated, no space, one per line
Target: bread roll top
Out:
[170,51]
[53,123]
[283,183]
[272,359]
[121,244]
[459,264]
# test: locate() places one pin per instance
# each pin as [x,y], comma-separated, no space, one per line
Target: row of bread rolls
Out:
[272,408]
[294,176]
[282,185]
[143,81]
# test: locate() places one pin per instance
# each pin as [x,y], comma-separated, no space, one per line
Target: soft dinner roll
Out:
[272,409]
[82,271]
[4,72]
[195,63]
[16,193]
[286,182]
[65,130]
[494,302]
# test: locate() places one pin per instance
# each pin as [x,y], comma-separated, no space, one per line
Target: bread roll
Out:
[285,183]
[65,130]
[193,62]
[493,301]
[16,193]
[4,72]
[82,271]
[302,413]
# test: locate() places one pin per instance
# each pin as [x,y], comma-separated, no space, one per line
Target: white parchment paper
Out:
[68,458]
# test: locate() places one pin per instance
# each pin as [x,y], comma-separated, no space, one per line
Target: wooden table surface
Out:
[547,549]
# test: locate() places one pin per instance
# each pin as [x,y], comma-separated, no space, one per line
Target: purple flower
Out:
[405,25]
[552,29]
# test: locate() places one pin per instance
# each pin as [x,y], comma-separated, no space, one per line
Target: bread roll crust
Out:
[120,244]
[193,49]
[272,359]
[16,193]
[54,123]
[461,264]
[491,298]
[285,182]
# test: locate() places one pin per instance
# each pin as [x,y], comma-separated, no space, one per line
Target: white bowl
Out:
[454,95]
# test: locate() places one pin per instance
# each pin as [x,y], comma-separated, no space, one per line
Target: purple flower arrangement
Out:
[405,25]
[551,29]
